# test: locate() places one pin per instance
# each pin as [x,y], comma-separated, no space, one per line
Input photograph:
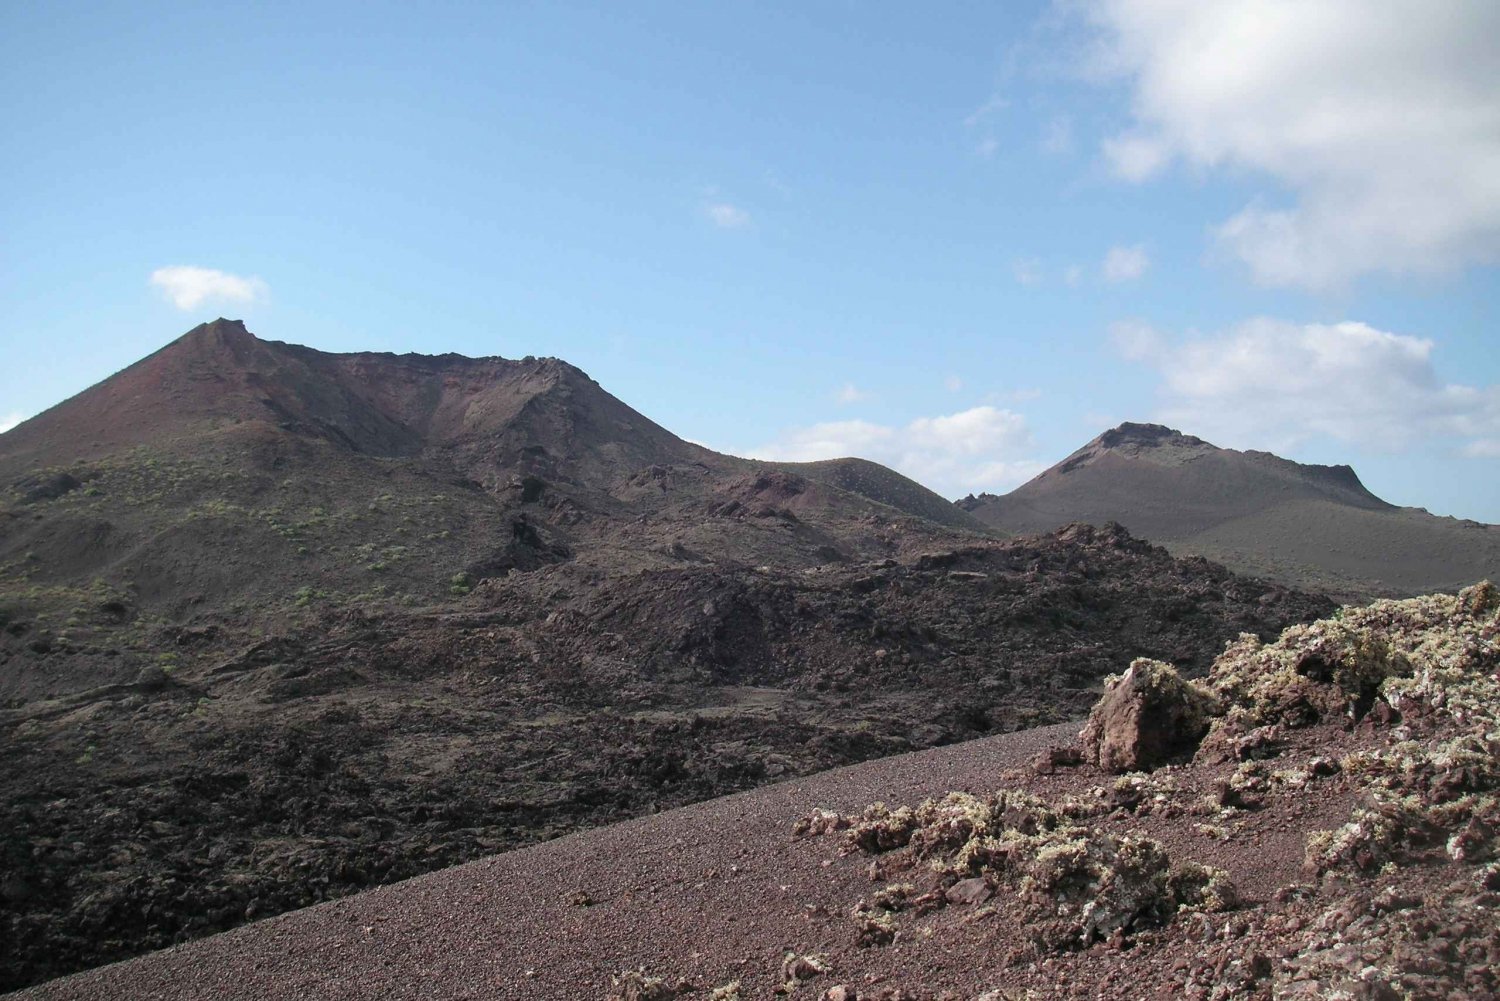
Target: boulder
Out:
[1148,716]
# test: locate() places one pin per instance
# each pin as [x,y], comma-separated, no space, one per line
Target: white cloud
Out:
[985,110]
[975,449]
[10,420]
[1027,271]
[1483,448]
[1125,264]
[1271,383]
[850,393]
[727,216]
[189,287]
[953,384]
[1136,158]
[1382,120]
[1072,275]
[987,147]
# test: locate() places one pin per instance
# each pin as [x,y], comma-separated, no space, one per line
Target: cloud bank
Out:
[1382,121]
[1278,384]
[188,287]
[976,449]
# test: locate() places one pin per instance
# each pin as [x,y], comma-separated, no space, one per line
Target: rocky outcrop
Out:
[1148,717]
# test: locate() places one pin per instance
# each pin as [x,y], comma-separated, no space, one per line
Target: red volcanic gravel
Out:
[716,890]
[710,893]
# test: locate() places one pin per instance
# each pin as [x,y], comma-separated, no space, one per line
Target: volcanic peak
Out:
[1156,442]
[220,375]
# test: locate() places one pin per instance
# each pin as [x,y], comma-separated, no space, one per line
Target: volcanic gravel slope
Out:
[1054,887]
[1311,526]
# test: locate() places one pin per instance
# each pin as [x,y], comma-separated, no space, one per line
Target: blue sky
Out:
[961,239]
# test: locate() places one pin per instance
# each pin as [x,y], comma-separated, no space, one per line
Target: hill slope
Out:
[1284,855]
[1315,526]
[225,474]
[279,625]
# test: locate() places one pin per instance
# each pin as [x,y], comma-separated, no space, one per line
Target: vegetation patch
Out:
[1073,885]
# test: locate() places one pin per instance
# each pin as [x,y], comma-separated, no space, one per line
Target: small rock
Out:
[1323,767]
[795,968]
[1050,760]
[152,677]
[969,891]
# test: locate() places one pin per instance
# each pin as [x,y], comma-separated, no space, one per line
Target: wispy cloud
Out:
[187,287]
[981,129]
[1125,264]
[850,393]
[1379,119]
[1027,271]
[1272,383]
[977,449]
[985,110]
[727,216]
[953,384]
[10,420]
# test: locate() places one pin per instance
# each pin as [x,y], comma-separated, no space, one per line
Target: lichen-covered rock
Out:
[947,824]
[1445,944]
[1197,887]
[874,928]
[1147,717]
[881,829]
[1440,789]
[1342,663]
[1424,773]
[1081,886]
[1072,885]
[637,985]
[820,822]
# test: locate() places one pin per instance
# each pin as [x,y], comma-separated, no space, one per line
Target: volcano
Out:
[1315,526]
[229,472]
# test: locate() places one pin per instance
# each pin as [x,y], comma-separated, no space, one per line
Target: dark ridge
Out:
[1146,434]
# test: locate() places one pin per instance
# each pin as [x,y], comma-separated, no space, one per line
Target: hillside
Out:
[226,478]
[1326,830]
[277,626]
[1312,526]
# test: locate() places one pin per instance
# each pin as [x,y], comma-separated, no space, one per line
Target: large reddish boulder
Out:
[1148,716]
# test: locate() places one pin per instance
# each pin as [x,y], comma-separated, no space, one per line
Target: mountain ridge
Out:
[1255,511]
[224,470]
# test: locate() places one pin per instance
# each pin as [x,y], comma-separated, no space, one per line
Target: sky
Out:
[960,239]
